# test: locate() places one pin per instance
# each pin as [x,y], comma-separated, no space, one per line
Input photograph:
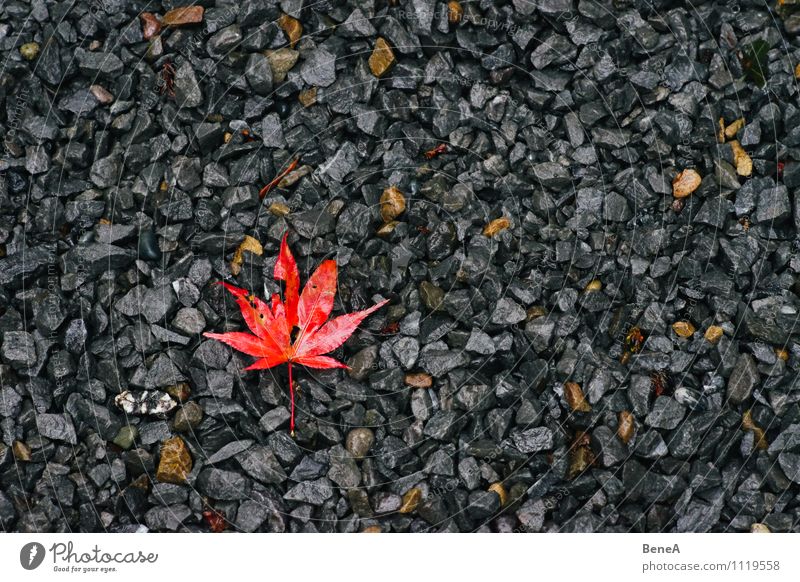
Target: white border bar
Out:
[407,557]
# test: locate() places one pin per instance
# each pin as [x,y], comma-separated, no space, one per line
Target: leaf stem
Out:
[291,393]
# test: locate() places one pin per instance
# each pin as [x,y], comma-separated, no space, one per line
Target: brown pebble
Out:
[372,529]
[419,380]
[281,61]
[393,204]
[454,12]
[683,328]
[581,456]
[188,417]
[411,500]
[21,451]
[713,333]
[496,226]
[308,97]
[183,15]
[141,482]
[685,183]
[150,25]
[733,128]
[175,463]
[249,244]
[626,426]
[101,94]
[575,397]
[359,441]
[292,28]
[278,209]
[741,159]
[382,58]
[179,391]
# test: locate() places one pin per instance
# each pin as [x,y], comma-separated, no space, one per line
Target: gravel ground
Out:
[585,218]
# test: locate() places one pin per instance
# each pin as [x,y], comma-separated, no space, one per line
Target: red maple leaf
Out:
[296,330]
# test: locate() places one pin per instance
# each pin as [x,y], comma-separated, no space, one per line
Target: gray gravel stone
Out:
[533,440]
[187,90]
[98,63]
[261,464]
[666,413]
[507,312]
[312,492]
[19,349]
[743,379]
[224,485]
[319,68]
[58,427]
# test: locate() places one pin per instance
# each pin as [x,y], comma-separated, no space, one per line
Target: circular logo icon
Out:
[31,555]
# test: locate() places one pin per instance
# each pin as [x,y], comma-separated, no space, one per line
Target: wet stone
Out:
[533,440]
[312,492]
[187,90]
[319,68]
[521,225]
[126,436]
[282,61]
[224,41]
[483,505]
[609,449]
[309,469]
[251,516]
[259,74]
[96,64]
[343,470]
[790,464]
[359,441]
[743,379]
[57,427]
[224,485]
[773,204]
[440,362]
[261,464]
[18,349]
[189,321]
[175,463]
[666,413]
[10,401]
[507,312]
[406,350]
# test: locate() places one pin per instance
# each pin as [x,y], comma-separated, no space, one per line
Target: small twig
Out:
[265,190]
